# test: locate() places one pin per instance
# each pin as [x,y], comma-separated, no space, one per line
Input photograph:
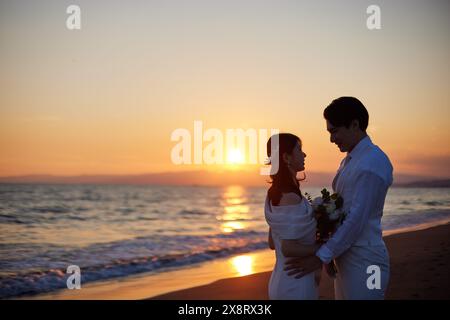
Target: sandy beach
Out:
[420,261]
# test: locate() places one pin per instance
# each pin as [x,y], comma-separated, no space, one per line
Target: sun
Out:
[235,156]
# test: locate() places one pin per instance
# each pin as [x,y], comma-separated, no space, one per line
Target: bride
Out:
[291,220]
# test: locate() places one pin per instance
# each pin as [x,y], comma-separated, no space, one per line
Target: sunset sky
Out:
[105,99]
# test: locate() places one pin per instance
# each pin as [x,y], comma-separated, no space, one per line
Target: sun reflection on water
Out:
[235,211]
[231,226]
[243,264]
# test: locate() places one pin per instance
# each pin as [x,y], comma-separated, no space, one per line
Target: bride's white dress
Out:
[291,222]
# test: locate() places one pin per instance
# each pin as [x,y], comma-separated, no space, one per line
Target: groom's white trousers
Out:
[354,273]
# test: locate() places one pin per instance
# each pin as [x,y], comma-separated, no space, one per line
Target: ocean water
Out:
[116,230]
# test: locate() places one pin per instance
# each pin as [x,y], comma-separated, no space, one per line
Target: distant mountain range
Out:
[445,183]
[226,177]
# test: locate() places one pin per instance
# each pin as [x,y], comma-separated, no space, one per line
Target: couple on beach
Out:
[354,254]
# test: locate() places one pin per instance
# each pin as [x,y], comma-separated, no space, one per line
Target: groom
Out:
[363,179]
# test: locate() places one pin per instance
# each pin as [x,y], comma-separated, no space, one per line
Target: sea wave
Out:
[119,259]
[403,220]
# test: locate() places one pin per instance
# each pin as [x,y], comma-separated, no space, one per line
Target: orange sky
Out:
[105,99]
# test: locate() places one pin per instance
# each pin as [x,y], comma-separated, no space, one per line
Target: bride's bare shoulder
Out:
[289,199]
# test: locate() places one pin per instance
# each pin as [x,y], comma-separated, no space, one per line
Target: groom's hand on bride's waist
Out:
[300,267]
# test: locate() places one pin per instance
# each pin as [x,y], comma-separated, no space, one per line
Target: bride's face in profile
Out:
[296,160]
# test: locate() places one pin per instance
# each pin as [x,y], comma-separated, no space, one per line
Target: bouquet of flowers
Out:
[328,212]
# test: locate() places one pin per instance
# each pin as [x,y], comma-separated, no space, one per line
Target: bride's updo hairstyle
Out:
[282,181]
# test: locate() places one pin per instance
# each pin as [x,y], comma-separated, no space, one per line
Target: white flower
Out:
[335,215]
[331,207]
[317,202]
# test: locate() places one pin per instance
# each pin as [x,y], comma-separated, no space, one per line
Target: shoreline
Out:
[142,286]
[419,258]
[162,285]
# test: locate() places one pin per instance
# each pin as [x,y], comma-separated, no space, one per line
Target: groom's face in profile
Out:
[341,136]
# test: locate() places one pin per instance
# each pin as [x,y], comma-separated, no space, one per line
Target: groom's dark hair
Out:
[342,111]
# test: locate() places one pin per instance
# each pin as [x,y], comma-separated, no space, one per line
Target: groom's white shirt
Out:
[363,179]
